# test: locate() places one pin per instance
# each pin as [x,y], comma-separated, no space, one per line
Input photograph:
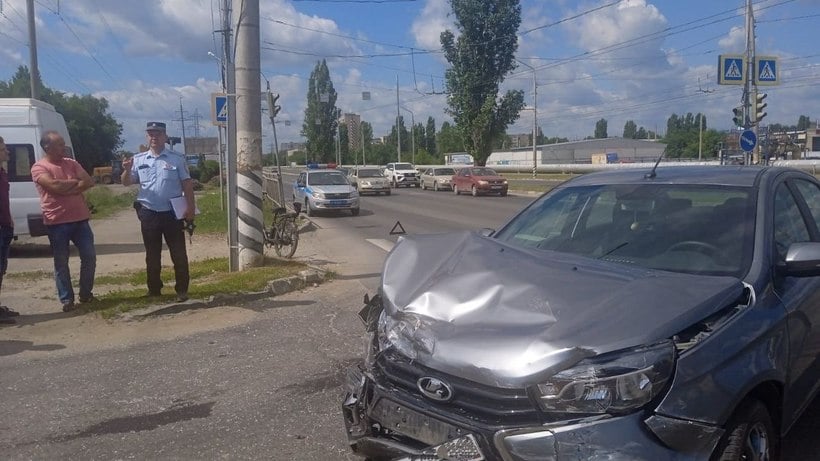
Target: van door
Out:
[23,196]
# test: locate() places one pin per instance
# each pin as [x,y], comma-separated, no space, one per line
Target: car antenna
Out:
[651,174]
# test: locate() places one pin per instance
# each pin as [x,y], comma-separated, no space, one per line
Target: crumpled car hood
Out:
[483,310]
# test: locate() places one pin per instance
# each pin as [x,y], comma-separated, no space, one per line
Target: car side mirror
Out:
[486,232]
[802,260]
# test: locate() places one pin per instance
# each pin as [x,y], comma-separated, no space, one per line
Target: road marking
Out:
[385,245]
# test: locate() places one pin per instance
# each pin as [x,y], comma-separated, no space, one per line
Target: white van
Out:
[22,122]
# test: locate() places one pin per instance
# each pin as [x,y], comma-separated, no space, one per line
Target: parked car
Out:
[369,179]
[401,174]
[437,178]
[325,189]
[627,314]
[479,180]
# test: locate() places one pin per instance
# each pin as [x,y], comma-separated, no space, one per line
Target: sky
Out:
[639,60]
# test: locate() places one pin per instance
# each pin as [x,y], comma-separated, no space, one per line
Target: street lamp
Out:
[412,135]
[534,117]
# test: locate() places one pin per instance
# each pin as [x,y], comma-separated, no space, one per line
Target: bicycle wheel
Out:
[288,240]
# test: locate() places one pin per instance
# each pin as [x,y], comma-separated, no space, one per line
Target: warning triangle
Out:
[397,229]
[733,71]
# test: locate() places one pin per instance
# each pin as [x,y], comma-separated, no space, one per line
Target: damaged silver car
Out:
[663,314]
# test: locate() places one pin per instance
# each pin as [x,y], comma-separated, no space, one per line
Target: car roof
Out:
[324,170]
[706,175]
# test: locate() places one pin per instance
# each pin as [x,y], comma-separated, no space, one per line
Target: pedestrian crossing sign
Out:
[219,109]
[731,69]
[766,70]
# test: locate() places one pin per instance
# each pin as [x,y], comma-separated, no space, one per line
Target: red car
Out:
[479,180]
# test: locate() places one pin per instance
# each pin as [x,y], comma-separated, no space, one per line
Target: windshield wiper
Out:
[613,250]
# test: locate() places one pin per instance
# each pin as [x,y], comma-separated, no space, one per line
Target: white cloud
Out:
[429,25]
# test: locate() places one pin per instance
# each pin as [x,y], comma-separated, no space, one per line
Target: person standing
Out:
[162,175]
[61,181]
[6,230]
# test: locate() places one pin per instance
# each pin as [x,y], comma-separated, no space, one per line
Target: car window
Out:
[789,226]
[484,172]
[682,228]
[811,195]
[445,172]
[403,166]
[327,179]
[369,173]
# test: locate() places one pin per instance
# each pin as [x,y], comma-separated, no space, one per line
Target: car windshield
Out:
[374,173]
[330,178]
[682,228]
[403,166]
[444,172]
[484,172]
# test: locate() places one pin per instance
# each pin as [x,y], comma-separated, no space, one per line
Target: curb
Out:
[306,278]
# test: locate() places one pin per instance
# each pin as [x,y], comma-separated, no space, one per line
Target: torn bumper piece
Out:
[386,424]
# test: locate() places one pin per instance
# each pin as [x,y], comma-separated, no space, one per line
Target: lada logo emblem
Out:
[435,389]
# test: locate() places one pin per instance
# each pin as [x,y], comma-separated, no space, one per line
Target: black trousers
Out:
[156,226]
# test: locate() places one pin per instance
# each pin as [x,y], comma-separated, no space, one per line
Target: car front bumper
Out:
[367,188]
[334,204]
[383,423]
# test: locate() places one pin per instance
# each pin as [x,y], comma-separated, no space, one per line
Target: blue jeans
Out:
[59,235]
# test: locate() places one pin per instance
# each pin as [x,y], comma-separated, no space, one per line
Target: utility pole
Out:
[750,88]
[248,135]
[34,71]
[181,120]
[230,134]
[398,120]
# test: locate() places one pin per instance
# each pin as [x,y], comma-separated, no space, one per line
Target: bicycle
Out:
[283,233]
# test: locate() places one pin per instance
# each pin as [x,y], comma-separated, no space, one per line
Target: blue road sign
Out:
[748,140]
[219,109]
[766,70]
[731,70]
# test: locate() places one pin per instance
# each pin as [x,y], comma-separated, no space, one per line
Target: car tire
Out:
[455,189]
[750,434]
[474,191]
[504,194]
[354,212]
[435,186]
[308,209]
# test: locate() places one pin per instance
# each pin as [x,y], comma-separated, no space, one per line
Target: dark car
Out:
[630,314]
[479,180]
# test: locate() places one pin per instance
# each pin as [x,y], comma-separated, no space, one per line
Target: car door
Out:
[796,216]
[299,188]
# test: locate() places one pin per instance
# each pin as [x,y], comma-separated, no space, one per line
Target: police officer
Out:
[162,175]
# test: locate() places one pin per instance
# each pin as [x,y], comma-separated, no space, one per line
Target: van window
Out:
[21,158]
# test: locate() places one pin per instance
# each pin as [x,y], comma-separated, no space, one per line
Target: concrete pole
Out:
[248,136]
[34,71]
[230,134]
[398,119]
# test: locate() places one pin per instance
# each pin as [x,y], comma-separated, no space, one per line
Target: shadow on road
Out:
[11,347]
[43,250]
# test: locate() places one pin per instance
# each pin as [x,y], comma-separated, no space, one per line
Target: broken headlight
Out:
[614,383]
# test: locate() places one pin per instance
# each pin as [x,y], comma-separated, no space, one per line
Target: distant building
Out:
[206,146]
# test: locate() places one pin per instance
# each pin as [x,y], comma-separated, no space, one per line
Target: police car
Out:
[325,189]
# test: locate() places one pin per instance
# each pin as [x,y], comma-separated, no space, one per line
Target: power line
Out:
[570,18]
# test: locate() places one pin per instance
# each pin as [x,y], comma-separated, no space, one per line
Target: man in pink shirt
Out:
[61,181]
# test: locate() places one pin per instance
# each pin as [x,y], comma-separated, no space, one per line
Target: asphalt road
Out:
[268,389]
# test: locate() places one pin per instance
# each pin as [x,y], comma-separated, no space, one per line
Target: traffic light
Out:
[738,119]
[273,108]
[759,106]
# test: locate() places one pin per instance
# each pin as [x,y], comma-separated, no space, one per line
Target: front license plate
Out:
[337,203]
[414,424]
[495,187]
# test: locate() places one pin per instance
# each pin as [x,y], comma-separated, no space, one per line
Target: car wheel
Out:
[474,191]
[504,194]
[749,434]
[308,209]
[455,189]
[354,212]
[435,186]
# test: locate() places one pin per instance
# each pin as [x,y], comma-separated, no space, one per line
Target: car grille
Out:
[337,196]
[496,181]
[409,175]
[489,405]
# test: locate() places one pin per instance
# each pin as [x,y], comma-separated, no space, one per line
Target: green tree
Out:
[367,143]
[430,136]
[479,58]
[95,134]
[321,116]
[449,140]
[803,123]
[600,129]
[405,139]
[630,130]
[683,136]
